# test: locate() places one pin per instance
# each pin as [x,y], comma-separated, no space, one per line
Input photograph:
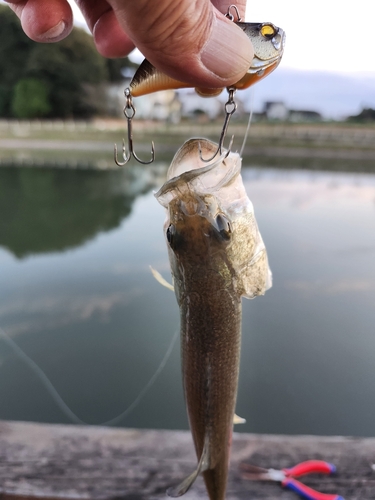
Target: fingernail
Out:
[54,33]
[228,51]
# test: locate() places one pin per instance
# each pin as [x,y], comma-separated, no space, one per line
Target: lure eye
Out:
[268,31]
[171,231]
[223,226]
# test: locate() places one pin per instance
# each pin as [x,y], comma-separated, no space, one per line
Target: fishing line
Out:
[125,413]
[249,121]
[42,377]
[59,400]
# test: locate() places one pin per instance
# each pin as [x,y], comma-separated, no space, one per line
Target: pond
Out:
[77,296]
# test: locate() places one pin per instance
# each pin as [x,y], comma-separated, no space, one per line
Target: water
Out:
[77,296]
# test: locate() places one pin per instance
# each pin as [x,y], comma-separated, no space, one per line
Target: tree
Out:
[14,51]
[116,67]
[71,72]
[67,68]
[30,99]
[366,115]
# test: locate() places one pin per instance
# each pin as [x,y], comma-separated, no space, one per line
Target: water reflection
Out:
[98,324]
[48,210]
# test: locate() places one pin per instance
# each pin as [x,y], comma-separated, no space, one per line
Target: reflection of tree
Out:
[50,210]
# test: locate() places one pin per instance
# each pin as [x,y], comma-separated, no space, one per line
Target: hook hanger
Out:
[129,112]
[231,16]
[230,107]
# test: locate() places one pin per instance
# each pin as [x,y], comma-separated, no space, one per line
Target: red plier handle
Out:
[310,467]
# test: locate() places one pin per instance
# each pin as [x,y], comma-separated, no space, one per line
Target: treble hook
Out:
[230,107]
[129,112]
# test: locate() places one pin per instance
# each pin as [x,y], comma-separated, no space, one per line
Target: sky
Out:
[324,35]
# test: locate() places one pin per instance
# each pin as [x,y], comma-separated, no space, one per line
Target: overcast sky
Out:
[328,35]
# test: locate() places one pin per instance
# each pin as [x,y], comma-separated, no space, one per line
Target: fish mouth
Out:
[259,65]
[258,70]
[189,174]
[278,41]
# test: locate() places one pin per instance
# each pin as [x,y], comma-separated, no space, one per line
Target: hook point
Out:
[126,158]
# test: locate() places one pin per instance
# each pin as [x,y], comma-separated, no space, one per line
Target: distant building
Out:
[276,110]
[171,106]
[115,99]
[163,106]
[194,106]
[304,116]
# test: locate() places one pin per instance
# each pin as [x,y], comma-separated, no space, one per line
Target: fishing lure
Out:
[268,42]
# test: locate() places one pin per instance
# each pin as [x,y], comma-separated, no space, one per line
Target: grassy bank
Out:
[335,146]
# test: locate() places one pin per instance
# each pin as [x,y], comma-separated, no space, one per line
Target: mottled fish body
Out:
[268,42]
[217,256]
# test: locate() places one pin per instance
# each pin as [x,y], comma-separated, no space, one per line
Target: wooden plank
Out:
[66,461]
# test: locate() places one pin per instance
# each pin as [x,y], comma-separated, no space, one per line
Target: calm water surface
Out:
[77,296]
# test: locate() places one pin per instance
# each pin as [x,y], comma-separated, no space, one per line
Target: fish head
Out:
[197,227]
[268,41]
[210,223]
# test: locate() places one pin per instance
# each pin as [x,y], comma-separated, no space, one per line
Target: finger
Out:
[109,37]
[44,20]
[190,41]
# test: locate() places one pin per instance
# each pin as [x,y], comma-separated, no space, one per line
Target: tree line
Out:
[58,80]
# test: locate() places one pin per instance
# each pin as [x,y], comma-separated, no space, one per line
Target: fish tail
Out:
[203,465]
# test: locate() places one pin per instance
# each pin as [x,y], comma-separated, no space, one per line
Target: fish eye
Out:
[171,231]
[223,226]
[268,31]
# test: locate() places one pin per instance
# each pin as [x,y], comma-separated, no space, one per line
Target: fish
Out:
[217,256]
[268,41]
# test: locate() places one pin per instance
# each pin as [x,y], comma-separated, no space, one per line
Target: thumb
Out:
[190,41]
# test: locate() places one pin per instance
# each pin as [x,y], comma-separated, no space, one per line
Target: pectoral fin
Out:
[160,279]
[184,486]
[238,420]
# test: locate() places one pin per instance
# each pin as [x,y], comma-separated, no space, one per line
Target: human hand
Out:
[190,41]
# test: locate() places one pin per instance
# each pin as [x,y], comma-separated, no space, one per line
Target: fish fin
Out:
[184,486]
[238,420]
[160,279]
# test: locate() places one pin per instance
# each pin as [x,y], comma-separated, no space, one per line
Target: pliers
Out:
[286,477]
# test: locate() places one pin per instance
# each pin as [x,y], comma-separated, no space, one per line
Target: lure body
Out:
[268,42]
[217,256]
